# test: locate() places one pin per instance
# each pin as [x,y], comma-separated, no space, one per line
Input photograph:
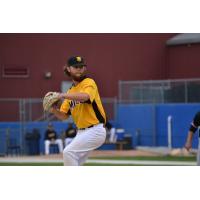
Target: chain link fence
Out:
[11,142]
[28,110]
[23,111]
[160,91]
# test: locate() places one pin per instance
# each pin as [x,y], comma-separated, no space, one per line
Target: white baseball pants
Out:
[78,150]
[47,144]
[68,141]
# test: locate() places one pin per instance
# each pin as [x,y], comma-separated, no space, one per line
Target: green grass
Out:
[106,164]
[143,158]
[61,164]
[58,164]
[152,158]
[30,164]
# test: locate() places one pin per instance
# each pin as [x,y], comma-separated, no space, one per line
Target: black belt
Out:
[87,127]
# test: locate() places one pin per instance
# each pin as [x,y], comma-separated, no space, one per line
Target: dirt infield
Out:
[108,154]
[123,153]
[94,154]
[104,158]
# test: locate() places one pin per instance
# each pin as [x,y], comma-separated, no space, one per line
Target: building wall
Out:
[110,57]
[183,61]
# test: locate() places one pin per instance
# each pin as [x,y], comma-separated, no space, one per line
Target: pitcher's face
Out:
[76,72]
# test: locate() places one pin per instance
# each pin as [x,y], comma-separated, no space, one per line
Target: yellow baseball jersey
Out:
[87,113]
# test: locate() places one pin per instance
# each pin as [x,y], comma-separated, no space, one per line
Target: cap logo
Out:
[78,59]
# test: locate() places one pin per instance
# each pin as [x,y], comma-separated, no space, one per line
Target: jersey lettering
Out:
[73,103]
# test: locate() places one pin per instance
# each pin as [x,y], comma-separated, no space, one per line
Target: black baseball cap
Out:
[76,61]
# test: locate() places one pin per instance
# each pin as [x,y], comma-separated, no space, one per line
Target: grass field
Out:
[159,158]
[114,161]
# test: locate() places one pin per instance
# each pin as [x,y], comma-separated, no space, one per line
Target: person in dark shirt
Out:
[193,127]
[70,133]
[51,138]
[111,133]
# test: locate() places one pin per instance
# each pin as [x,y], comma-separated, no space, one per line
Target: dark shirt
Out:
[70,133]
[50,134]
[195,123]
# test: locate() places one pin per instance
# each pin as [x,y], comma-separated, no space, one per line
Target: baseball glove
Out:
[50,99]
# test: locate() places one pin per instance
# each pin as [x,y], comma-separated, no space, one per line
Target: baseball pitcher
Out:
[83,103]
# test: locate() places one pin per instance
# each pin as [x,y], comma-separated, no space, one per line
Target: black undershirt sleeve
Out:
[196,122]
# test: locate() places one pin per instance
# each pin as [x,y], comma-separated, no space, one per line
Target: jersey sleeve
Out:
[90,88]
[65,107]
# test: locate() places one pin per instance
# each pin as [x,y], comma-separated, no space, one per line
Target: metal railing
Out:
[10,139]
[31,109]
[160,91]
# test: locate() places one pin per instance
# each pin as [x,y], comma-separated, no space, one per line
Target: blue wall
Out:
[15,131]
[137,117]
[146,123]
[151,121]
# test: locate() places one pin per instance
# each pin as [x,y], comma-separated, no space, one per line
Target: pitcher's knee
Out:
[67,153]
[69,158]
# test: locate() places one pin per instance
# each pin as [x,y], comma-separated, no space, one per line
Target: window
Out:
[15,71]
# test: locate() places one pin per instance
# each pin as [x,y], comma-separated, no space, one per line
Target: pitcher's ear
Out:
[66,70]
